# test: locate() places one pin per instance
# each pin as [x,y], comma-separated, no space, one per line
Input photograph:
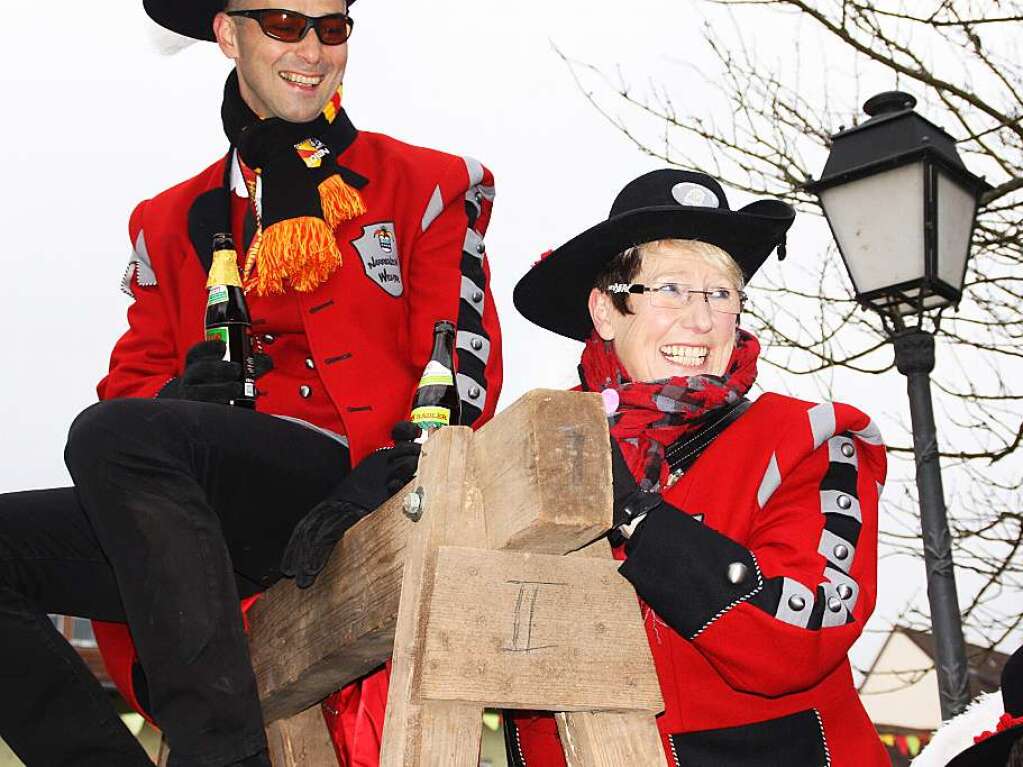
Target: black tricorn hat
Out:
[663,204]
[994,749]
[191,18]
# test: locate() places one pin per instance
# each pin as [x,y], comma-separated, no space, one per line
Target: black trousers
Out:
[178,509]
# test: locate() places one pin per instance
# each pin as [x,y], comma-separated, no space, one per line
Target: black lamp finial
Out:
[888,102]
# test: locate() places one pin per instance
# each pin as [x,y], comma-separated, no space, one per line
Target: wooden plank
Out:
[450,735]
[546,485]
[540,462]
[603,739]
[449,510]
[536,631]
[306,644]
[607,739]
[301,741]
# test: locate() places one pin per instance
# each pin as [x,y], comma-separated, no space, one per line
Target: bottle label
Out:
[218,295]
[431,417]
[435,374]
[220,334]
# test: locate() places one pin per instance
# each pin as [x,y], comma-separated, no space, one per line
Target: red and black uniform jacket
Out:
[415,257]
[753,583]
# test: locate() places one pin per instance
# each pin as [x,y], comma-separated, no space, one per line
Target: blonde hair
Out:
[711,254]
[626,265]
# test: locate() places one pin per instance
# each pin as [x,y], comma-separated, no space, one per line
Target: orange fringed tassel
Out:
[340,202]
[300,250]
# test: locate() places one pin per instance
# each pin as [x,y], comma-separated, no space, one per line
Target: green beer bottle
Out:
[227,315]
[436,402]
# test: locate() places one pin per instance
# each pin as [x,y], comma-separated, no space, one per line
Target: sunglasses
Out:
[292,26]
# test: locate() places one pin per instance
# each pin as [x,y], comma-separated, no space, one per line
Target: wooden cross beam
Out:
[476,601]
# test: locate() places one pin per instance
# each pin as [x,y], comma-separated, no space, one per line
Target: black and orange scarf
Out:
[304,195]
[647,417]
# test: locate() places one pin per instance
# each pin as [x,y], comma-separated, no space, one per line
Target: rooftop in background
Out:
[900,691]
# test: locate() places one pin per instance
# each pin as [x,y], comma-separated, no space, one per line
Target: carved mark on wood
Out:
[525,611]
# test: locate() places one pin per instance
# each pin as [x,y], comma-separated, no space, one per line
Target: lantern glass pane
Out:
[956,207]
[878,222]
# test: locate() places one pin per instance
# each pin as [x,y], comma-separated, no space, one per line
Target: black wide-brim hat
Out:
[994,750]
[191,18]
[660,205]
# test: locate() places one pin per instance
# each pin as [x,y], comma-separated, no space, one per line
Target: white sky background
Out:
[94,120]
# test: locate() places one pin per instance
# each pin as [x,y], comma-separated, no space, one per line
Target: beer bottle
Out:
[436,402]
[227,315]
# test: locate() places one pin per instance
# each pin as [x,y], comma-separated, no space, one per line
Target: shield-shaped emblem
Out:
[378,248]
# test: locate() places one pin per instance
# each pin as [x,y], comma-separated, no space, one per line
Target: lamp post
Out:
[902,208]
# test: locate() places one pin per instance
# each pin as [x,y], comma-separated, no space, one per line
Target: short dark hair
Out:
[622,268]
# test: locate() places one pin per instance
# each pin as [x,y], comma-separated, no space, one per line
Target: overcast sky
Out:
[95,120]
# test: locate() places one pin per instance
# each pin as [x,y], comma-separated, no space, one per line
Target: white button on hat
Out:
[694,195]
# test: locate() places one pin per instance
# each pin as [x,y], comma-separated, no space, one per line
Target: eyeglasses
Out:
[292,26]
[672,295]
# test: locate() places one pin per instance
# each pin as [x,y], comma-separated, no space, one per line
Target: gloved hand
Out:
[631,504]
[377,477]
[209,378]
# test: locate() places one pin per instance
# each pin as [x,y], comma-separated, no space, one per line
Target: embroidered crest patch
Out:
[378,248]
[312,151]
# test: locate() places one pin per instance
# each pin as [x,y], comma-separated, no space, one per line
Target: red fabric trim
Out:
[118,653]
[1005,722]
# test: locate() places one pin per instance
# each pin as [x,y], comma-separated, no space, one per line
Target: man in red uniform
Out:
[352,245]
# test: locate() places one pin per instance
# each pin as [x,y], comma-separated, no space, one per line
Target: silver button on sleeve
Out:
[304,391]
[737,573]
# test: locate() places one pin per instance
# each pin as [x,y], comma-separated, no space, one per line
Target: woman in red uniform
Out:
[748,530]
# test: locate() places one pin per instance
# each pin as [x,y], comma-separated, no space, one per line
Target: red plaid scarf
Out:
[650,416]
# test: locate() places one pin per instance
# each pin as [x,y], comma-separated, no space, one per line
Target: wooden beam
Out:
[535,631]
[418,732]
[602,739]
[306,644]
[608,738]
[301,741]
[544,481]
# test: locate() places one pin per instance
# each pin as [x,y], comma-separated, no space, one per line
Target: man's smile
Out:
[305,82]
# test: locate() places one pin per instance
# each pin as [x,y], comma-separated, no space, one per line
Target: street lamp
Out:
[902,208]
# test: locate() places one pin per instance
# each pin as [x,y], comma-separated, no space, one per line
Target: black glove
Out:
[209,378]
[379,476]
[631,504]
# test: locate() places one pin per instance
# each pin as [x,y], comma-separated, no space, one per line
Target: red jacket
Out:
[754,583]
[415,257]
